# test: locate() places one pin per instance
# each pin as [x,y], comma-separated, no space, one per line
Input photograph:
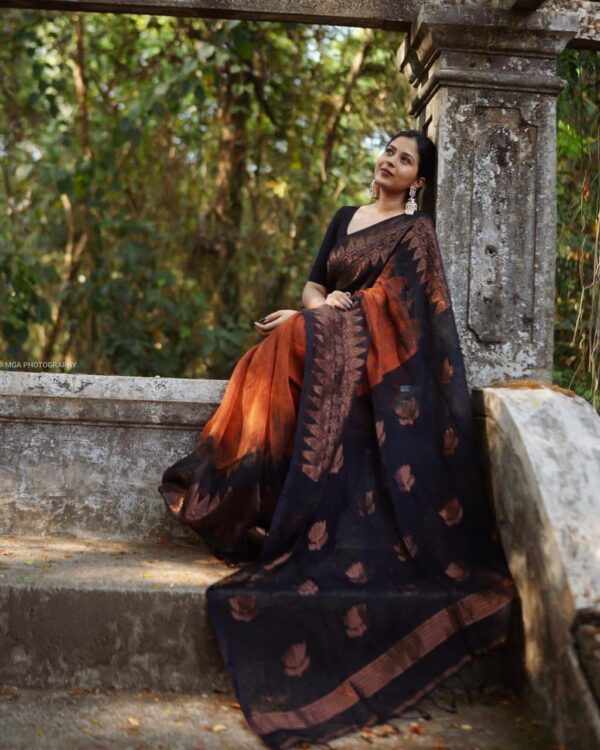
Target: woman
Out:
[342,468]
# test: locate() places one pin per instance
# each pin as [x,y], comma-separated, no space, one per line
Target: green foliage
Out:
[577,321]
[168,180]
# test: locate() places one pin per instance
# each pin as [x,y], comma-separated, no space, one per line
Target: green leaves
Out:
[170,181]
[577,322]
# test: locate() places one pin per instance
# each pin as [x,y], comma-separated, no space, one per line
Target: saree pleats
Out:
[231,483]
[349,436]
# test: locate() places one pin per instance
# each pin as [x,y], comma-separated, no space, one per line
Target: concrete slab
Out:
[112,614]
[83,455]
[124,615]
[543,460]
[148,720]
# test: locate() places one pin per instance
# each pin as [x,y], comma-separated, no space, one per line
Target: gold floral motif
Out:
[277,561]
[426,252]
[380,430]
[317,535]
[177,505]
[450,442]
[458,570]
[307,588]
[407,410]
[407,550]
[356,621]
[452,512]
[340,352]
[446,371]
[363,250]
[295,660]
[404,477]
[366,504]
[243,607]
[338,460]
[411,545]
[356,573]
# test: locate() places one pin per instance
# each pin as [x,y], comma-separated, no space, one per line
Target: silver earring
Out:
[374,189]
[411,204]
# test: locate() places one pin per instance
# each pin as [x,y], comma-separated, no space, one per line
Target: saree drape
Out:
[349,436]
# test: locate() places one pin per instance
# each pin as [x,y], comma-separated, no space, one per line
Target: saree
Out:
[341,476]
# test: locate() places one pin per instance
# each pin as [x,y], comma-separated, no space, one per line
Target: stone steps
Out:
[79,719]
[120,614]
[109,614]
[101,590]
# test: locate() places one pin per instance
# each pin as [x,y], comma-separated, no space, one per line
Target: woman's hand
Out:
[337,298]
[270,322]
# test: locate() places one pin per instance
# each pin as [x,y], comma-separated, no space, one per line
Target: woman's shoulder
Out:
[424,216]
[419,217]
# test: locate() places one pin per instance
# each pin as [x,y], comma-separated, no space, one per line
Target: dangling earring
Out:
[374,189]
[411,204]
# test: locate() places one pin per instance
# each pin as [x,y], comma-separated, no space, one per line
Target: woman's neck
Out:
[389,204]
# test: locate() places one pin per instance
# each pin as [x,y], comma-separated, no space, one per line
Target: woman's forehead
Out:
[404,143]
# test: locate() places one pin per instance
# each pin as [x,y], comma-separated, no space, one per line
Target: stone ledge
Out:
[543,462]
[124,615]
[108,399]
[92,448]
[83,613]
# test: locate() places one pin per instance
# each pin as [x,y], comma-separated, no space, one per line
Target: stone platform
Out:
[101,592]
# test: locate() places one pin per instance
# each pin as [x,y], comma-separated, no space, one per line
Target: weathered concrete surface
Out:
[83,613]
[119,614]
[543,451]
[77,720]
[84,454]
[386,14]
[486,88]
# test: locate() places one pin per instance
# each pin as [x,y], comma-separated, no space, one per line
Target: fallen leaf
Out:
[10,693]
[467,727]
[385,730]
[218,728]
[135,724]
[234,704]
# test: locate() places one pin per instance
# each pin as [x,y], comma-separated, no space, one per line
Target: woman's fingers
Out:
[345,300]
[340,299]
[269,322]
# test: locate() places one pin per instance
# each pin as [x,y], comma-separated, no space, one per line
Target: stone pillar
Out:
[486,89]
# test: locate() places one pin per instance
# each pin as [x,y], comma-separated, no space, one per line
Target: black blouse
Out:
[336,231]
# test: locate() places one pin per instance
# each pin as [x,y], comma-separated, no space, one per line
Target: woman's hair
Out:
[427,153]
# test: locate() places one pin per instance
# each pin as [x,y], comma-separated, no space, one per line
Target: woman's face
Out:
[396,168]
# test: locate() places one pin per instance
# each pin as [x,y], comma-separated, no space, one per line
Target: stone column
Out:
[486,89]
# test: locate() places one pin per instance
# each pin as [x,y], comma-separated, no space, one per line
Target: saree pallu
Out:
[349,436]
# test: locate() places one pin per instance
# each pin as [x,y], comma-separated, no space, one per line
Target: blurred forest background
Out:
[167,181]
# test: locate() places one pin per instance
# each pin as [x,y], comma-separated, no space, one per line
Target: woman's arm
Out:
[313,294]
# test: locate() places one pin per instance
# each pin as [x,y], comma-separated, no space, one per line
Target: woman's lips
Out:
[385,171]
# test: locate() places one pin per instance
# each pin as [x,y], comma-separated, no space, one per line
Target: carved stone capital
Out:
[475,47]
